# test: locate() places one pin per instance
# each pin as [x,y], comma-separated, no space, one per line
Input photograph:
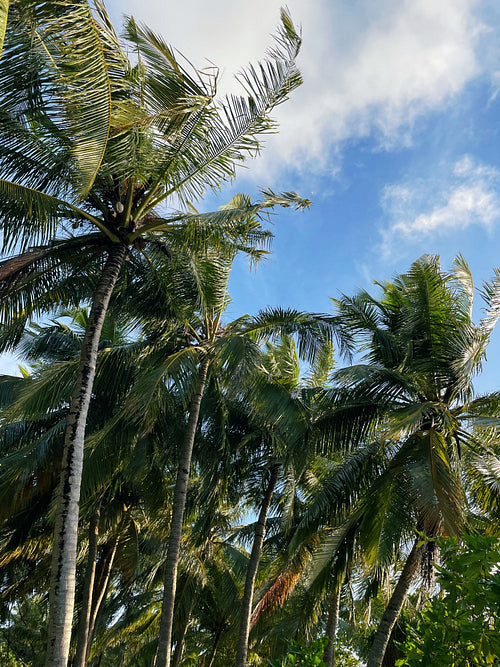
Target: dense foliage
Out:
[177,489]
[460,625]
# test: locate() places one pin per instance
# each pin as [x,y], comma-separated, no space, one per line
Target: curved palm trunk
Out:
[83,628]
[62,584]
[331,625]
[253,566]
[178,505]
[394,607]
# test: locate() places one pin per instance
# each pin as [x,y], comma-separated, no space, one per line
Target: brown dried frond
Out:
[14,265]
[276,595]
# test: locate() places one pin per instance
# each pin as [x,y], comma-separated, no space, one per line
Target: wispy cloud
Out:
[371,69]
[495,85]
[465,196]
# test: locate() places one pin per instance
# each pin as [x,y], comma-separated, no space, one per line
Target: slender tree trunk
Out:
[62,584]
[100,590]
[179,502]
[332,623]
[214,647]
[83,628]
[253,566]
[394,607]
[179,646]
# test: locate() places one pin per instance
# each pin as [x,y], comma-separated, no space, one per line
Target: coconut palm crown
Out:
[94,146]
[412,400]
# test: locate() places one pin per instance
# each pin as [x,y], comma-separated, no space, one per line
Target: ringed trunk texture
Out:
[179,502]
[394,607]
[83,627]
[253,566]
[62,583]
[331,625]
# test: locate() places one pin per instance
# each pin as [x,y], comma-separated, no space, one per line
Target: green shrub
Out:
[460,627]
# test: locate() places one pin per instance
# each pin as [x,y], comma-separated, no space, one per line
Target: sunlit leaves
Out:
[57,85]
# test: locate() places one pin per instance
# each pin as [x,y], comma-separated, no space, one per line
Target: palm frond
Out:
[312,331]
[4,9]
[217,137]
[463,276]
[244,213]
[491,296]
[36,282]
[31,217]
[336,494]
[47,390]
[151,390]
[71,85]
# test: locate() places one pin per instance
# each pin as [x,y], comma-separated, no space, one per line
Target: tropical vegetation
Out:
[460,626]
[179,489]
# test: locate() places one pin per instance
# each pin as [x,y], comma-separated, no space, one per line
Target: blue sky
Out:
[394,136]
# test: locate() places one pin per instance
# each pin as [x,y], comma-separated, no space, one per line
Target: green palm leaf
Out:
[31,217]
[214,139]
[68,62]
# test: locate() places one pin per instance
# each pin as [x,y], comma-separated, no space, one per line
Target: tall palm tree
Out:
[36,413]
[274,417]
[422,350]
[86,163]
[280,409]
[210,348]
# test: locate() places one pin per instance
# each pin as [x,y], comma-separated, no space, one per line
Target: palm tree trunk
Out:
[100,590]
[179,502]
[62,584]
[331,625]
[217,637]
[179,647]
[253,566]
[83,628]
[394,607]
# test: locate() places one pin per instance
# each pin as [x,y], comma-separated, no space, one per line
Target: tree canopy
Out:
[177,489]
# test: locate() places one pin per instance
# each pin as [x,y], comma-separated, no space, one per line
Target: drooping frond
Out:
[47,390]
[61,274]
[336,494]
[31,217]
[433,487]
[57,82]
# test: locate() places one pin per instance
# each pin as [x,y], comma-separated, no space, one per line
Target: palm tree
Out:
[34,418]
[280,410]
[87,162]
[422,351]
[229,351]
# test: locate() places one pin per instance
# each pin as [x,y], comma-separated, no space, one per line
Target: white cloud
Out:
[370,68]
[465,196]
[495,85]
